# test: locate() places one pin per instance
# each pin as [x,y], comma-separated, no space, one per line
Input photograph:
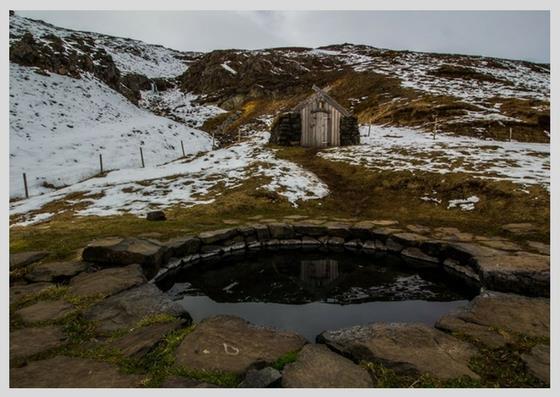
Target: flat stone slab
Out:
[142,340]
[116,251]
[406,348]
[26,342]
[538,362]
[231,344]
[541,248]
[69,372]
[54,271]
[20,292]
[493,311]
[520,228]
[261,378]
[45,311]
[22,259]
[504,245]
[523,273]
[317,366]
[107,282]
[127,308]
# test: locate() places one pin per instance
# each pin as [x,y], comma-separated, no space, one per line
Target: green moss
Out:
[286,359]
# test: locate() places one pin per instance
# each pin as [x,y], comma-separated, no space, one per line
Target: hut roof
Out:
[323,95]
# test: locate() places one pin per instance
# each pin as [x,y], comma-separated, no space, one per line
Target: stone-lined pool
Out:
[310,292]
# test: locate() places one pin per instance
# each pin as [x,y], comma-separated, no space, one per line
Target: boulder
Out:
[143,339]
[55,271]
[410,349]
[156,216]
[317,366]
[127,308]
[116,251]
[232,345]
[491,313]
[22,259]
[26,342]
[523,273]
[67,372]
[260,378]
[45,311]
[538,362]
[106,282]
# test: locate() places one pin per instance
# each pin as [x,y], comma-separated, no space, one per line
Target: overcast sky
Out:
[504,34]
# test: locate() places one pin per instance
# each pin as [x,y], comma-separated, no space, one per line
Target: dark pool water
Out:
[309,292]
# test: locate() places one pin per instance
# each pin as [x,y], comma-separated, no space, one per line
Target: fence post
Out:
[101,163]
[183,148]
[142,156]
[25,185]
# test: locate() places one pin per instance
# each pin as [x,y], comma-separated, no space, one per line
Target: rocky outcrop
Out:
[538,362]
[55,271]
[45,311]
[406,348]
[23,259]
[232,345]
[30,341]
[106,282]
[317,366]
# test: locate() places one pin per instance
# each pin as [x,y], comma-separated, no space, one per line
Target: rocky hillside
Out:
[468,95]
[75,95]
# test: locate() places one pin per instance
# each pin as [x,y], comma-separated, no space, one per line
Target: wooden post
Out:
[142,156]
[510,134]
[183,148]
[100,163]
[25,185]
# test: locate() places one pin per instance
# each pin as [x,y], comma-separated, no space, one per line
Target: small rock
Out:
[22,259]
[231,344]
[538,362]
[107,282]
[266,377]
[317,366]
[71,372]
[45,311]
[406,348]
[155,216]
[26,342]
[55,271]
[127,308]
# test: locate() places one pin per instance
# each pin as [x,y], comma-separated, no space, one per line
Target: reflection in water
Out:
[311,292]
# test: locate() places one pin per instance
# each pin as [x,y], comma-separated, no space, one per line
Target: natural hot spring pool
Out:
[309,292]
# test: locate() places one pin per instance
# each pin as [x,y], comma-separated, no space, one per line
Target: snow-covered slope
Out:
[59,125]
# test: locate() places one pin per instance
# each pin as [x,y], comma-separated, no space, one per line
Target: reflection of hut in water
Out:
[319,273]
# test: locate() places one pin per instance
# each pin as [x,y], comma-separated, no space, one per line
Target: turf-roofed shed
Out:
[318,121]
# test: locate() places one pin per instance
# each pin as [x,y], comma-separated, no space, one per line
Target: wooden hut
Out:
[320,119]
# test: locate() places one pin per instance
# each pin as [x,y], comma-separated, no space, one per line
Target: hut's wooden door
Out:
[320,129]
